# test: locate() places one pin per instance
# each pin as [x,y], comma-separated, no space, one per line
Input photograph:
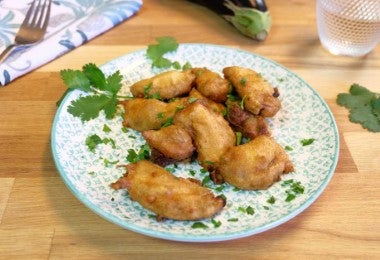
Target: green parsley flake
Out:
[306,142]
[199,225]
[106,128]
[216,223]
[93,141]
[271,200]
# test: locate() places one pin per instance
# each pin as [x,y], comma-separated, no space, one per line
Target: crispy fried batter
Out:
[172,141]
[165,85]
[260,98]
[211,133]
[145,114]
[214,106]
[256,164]
[166,195]
[211,84]
[248,124]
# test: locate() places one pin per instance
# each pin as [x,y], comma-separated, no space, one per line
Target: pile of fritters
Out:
[197,113]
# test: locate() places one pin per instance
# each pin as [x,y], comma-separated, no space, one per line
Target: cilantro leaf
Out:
[92,80]
[88,107]
[75,79]
[92,142]
[364,106]
[155,52]
[114,82]
[95,76]
[110,107]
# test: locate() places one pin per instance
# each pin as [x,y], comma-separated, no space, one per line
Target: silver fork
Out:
[32,29]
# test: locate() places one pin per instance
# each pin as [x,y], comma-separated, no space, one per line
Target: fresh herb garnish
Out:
[92,80]
[248,210]
[156,52]
[364,106]
[294,188]
[271,200]
[143,153]
[93,141]
[216,223]
[288,148]
[308,141]
[199,225]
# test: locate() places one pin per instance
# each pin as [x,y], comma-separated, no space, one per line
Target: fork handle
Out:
[4,55]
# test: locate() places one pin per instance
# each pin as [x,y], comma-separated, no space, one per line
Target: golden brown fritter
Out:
[172,141]
[259,97]
[211,133]
[255,165]
[211,84]
[166,85]
[214,106]
[166,195]
[245,122]
[146,114]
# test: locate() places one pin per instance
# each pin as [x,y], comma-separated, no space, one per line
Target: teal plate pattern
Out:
[304,115]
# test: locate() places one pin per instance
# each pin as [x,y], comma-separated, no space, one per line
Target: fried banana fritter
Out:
[255,165]
[211,84]
[172,141]
[211,133]
[146,114]
[166,85]
[259,97]
[166,195]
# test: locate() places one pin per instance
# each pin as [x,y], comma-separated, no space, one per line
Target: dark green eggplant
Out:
[250,17]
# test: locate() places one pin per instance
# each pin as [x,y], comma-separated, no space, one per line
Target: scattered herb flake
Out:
[93,141]
[233,220]
[306,142]
[216,223]
[288,148]
[199,225]
[271,200]
[106,128]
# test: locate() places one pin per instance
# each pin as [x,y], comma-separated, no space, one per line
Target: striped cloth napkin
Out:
[72,23]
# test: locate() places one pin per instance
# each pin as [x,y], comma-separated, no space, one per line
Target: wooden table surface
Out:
[40,218]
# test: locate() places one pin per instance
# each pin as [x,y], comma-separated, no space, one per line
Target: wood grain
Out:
[41,219]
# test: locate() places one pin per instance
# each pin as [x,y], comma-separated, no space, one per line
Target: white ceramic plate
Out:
[304,115]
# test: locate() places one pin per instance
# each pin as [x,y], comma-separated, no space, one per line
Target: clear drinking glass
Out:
[349,27]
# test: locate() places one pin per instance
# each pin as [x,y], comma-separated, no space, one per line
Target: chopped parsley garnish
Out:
[233,220]
[216,223]
[243,81]
[294,188]
[288,148]
[248,210]
[271,200]
[364,106]
[199,225]
[93,141]
[306,142]
[143,153]
[106,128]
[169,121]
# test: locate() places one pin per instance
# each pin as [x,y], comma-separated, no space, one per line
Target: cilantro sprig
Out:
[364,106]
[156,52]
[103,91]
